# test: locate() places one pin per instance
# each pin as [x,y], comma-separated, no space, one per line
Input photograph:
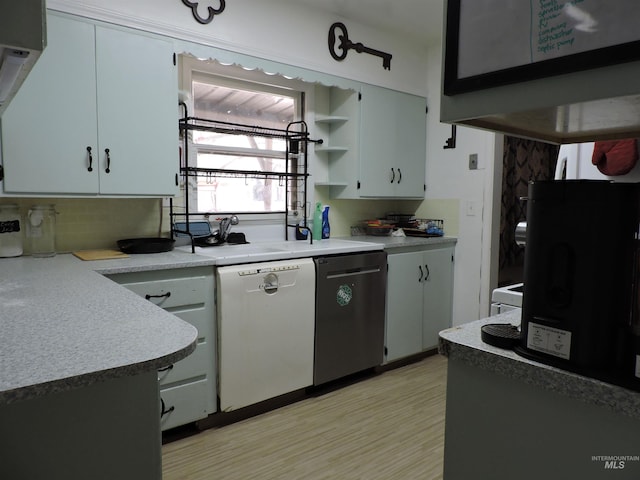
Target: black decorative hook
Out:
[346,44]
[451,141]
[212,11]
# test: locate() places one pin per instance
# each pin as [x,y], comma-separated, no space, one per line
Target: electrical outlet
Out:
[473,161]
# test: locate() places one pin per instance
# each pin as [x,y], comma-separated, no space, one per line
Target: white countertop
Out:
[64,325]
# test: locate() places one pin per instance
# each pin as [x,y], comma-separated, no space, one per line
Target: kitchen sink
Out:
[228,250]
[259,252]
[244,249]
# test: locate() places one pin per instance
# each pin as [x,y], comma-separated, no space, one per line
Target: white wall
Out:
[449,177]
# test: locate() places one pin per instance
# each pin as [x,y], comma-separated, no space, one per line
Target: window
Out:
[248,103]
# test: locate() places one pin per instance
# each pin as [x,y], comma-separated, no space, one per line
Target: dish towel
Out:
[616,157]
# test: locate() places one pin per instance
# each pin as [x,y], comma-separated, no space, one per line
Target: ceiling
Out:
[420,20]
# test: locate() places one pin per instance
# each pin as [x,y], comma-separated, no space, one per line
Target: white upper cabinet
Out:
[393,146]
[97,116]
[374,143]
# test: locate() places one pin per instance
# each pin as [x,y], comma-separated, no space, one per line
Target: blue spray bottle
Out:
[326,229]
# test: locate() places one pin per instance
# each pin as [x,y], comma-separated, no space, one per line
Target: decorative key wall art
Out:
[345,45]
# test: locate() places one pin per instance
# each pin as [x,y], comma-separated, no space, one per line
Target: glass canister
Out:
[42,230]
[10,231]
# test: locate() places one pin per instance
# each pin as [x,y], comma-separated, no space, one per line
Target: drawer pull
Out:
[108,169]
[166,369]
[164,295]
[164,408]
[90,167]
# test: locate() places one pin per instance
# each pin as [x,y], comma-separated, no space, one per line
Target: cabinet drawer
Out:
[199,318]
[194,366]
[174,292]
[183,404]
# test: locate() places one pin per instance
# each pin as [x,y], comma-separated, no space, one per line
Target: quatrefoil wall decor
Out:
[212,12]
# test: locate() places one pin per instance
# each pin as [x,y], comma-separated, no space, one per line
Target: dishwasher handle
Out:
[270,285]
[353,272]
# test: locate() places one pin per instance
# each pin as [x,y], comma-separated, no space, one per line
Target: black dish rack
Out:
[295,177]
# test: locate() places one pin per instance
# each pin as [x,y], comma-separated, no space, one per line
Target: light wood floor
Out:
[390,426]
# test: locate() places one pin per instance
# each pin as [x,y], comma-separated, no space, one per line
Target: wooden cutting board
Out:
[103,254]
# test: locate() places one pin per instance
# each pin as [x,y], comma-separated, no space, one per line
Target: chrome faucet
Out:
[225,227]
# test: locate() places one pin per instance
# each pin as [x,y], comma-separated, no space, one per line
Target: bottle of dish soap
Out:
[317,222]
[326,229]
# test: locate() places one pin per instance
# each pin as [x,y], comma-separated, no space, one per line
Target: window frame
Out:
[193,69]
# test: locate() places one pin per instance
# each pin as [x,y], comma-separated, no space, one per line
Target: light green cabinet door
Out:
[411,155]
[438,294]
[392,143]
[403,333]
[96,88]
[378,120]
[137,113]
[52,120]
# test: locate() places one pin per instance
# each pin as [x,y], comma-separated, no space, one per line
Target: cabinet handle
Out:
[166,410]
[164,295]
[421,273]
[426,277]
[90,168]
[166,369]
[108,169]
[399,176]
[393,175]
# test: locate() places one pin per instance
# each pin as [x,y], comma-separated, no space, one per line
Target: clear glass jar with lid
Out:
[10,231]
[42,230]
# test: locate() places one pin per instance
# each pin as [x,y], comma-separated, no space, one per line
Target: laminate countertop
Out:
[63,325]
[463,343]
[393,243]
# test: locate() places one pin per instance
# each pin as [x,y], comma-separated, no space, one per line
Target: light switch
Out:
[473,161]
[472,207]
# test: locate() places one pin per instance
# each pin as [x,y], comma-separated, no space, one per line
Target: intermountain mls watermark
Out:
[615,462]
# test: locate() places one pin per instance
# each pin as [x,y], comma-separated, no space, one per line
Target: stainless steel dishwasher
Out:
[350,309]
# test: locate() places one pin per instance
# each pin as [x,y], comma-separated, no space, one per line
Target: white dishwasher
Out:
[266,330]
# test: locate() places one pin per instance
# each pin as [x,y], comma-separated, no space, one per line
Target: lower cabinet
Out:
[419,299]
[187,388]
